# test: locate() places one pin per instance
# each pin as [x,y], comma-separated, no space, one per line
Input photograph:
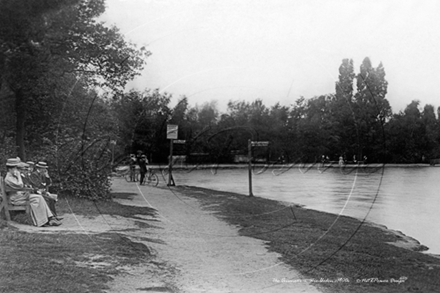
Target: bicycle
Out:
[129,176]
[151,178]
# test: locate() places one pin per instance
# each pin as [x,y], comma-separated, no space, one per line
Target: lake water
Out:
[404,199]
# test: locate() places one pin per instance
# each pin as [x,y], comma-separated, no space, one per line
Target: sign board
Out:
[172,131]
[259,143]
[181,141]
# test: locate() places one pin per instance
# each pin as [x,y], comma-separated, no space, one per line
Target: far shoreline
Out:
[207,166]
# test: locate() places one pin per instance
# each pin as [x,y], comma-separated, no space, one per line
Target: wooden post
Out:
[170,166]
[113,143]
[250,166]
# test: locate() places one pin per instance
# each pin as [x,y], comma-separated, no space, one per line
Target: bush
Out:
[81,170]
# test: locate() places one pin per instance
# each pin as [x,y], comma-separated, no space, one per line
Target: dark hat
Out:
[41,165]
[13,162]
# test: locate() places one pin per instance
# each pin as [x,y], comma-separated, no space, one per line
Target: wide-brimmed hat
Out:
[13,162]
[41,165]
[22,165]
[30,163]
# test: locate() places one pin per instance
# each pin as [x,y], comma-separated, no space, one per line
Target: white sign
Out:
[172,131]
[260,143]
[181,141]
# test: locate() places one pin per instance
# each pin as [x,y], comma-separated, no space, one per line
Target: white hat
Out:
[41,165]
[13,162]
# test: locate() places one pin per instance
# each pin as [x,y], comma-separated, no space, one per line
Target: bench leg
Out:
[4,207]
[8,216]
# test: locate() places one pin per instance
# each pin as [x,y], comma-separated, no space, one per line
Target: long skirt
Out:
[40,212]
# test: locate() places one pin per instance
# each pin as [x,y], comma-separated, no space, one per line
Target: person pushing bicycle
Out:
[143,167]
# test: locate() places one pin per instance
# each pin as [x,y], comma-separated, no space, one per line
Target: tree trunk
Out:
[20,109]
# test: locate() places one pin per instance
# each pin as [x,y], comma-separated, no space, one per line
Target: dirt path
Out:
[194,250]
[207,253]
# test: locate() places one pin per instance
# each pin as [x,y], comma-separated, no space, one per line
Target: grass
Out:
[321,246]
[36,262]
[340,253]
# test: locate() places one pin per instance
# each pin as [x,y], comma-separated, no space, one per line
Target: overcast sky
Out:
[280,50]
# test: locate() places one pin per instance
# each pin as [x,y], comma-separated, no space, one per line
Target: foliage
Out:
[53,55]
[141,120]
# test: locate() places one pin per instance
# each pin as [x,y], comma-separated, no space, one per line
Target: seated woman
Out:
[40,181]
[40,212]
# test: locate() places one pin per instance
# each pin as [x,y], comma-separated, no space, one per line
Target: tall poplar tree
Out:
[372,110]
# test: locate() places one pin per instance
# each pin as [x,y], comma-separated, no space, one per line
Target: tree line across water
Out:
[355,122]
[62,100]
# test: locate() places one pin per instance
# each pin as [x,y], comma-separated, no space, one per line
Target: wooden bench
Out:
[7,206]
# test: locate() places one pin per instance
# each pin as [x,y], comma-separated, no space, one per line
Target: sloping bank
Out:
[340,253]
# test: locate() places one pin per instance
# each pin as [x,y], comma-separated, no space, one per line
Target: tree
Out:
[345,136]
[371,109]
[208,113]
[407,134]
[430,145]
[279,119]
[142,119]
[44,45]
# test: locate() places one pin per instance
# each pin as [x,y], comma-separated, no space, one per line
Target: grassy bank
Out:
[66,262]
[340,254]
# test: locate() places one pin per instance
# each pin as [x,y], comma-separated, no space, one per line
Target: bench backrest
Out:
[3,189]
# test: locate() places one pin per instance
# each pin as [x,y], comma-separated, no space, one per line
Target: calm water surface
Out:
[404,199]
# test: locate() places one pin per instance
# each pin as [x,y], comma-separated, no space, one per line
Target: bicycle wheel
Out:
[152,179]
[165,172]
[128,177]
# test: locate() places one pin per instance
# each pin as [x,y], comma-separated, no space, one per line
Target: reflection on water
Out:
[404,199]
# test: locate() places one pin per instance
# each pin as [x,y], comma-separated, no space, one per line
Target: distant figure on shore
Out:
[324,159]
[341,161]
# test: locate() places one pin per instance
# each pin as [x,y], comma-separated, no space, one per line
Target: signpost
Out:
[250,166]
[113,143]
[172,131]
[250,145]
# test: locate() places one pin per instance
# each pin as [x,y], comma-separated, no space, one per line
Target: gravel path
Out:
[207,254]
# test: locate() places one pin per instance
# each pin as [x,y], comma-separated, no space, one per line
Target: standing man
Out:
[143,165]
